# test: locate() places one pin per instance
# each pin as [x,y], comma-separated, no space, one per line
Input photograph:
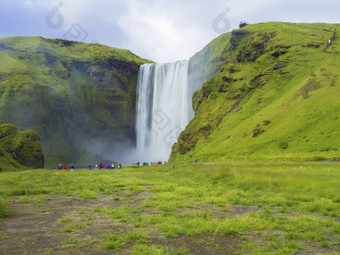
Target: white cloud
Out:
[162,31]
[167,32]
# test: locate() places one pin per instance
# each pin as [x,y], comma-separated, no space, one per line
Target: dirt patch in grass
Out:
[204,244]
[59,224]
[37,228]
[70,225]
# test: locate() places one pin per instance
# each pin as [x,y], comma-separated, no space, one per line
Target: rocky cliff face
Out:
[19,150]
[79,97]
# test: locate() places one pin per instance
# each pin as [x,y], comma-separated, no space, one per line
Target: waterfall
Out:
[163,108]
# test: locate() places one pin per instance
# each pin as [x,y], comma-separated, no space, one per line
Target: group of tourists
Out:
[107,166]
[149,164]
[113,165]
[155,163]
[61,167]
[97,166]
[329,42]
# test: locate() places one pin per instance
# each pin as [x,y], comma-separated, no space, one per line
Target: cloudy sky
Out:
[159,30]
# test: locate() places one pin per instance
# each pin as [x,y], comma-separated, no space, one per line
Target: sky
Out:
[158,30]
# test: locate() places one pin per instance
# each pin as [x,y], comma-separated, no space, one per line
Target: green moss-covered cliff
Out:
[19,149]
[272,92]
[79,97]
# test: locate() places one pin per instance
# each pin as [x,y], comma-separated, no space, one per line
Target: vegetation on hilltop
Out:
[19,149]
[274,96]
[79,97]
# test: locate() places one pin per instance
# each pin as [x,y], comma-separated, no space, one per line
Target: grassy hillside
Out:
[79,97]
[275,96]
[19,149]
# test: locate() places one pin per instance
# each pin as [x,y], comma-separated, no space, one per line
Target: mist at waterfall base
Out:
[163,109]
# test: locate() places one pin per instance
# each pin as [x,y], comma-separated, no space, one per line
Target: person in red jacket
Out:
[65,167]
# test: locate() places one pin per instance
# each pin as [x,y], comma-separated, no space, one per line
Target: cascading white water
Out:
[163,108]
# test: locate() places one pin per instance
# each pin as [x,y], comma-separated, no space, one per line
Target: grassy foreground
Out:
[236,207]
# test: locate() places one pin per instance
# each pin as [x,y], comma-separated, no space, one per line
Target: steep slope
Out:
[207,62]
[275,96]
[19,150]
[79,97]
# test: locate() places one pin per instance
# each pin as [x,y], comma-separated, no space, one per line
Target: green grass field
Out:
[230,207]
